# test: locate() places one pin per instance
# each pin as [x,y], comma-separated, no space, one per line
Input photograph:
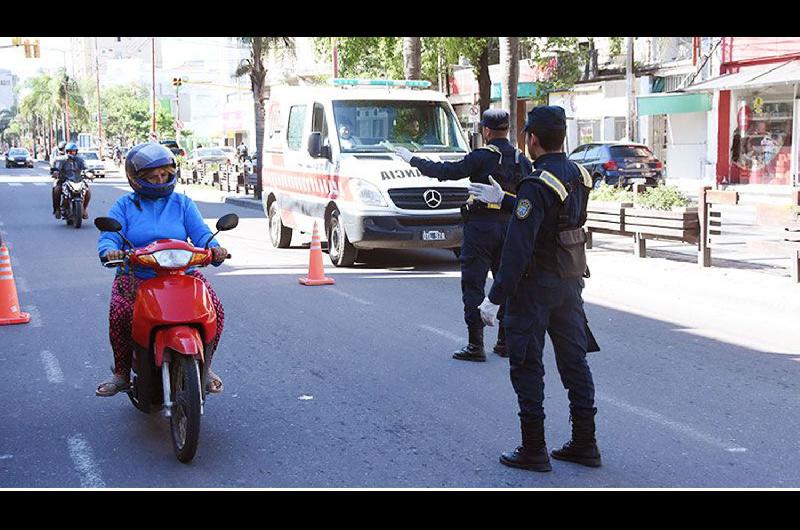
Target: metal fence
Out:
[225,177]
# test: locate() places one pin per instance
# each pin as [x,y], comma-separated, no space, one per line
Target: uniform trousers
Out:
[547,303]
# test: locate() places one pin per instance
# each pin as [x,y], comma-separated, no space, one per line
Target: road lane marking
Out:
[681,428]
[443,333]
[14,184]
[52,367]
[6,457]
[36,317]
[83,460]
[348,296]
[39,184]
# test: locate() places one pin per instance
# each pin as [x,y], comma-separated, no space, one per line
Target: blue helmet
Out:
[143,157]
[72,146]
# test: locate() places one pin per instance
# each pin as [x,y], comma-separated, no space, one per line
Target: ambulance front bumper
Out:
[403,231]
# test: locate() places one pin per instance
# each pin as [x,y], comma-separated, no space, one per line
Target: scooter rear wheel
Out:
[186,398]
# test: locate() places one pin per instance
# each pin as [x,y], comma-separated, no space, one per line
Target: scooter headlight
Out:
[173,259]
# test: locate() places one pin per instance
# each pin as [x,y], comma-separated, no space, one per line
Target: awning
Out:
[672,103]
[525,90]
[786,73]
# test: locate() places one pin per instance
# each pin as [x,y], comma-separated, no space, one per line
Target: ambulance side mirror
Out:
[315,144]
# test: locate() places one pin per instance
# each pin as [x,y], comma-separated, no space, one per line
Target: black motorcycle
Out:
[73,197]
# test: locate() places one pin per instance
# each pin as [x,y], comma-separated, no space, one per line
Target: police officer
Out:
[540,280]
[70,167]
[484,224]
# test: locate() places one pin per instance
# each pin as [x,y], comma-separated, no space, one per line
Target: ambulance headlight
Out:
[367,192]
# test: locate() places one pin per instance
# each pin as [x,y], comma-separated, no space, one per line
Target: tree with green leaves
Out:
[126,115]
[255,68]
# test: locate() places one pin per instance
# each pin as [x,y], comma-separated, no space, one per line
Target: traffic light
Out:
[36,50]
[16,41]
[177,81]
[28,49]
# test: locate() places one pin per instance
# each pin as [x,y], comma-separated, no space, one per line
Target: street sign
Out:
[178,124]
[474,114]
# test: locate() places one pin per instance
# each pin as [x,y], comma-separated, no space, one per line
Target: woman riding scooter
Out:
[151,212]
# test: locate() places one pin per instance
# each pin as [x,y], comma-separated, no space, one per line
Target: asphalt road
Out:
[352,385]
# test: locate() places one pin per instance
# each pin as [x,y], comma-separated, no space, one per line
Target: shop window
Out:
[619,128]
[761,143]
[588,131]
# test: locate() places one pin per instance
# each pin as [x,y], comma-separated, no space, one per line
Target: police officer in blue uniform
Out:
[540,282]
[484,224]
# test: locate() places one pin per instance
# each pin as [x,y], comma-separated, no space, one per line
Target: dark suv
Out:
[619,164]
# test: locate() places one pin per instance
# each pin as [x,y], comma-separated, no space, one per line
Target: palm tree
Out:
[254,67]
[412,57]
[6,117]
[509,61]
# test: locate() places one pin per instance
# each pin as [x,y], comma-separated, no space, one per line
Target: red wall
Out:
[759,49]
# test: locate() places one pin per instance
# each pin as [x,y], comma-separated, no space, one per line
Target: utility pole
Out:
[630,81]
[99,110]
[153,125]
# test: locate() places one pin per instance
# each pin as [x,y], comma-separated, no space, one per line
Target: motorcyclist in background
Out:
[57,154]
[70,167]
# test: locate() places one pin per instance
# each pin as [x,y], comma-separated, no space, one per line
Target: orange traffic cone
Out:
[9,304]
[316,273]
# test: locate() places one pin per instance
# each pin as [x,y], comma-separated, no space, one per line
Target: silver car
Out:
[94,165]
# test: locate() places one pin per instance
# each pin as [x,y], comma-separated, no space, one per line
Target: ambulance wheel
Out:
[340,250]
[281,236]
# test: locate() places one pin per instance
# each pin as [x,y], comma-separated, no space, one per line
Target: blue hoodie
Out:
[173,217]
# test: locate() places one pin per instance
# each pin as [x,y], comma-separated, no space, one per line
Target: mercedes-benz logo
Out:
[432,198]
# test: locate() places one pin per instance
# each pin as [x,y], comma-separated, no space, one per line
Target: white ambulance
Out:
[329,157]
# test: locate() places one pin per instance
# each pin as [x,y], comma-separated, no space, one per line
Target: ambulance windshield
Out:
[378,126]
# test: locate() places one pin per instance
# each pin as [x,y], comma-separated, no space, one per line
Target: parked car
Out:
[173,146]
[18,157]
[94,165]
[619,164]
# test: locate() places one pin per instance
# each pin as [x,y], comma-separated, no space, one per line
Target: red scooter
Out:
[173,323]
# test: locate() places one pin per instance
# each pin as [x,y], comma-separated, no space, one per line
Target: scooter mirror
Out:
[228,222]
[107,224]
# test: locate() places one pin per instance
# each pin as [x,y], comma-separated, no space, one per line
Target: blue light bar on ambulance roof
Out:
[410,83]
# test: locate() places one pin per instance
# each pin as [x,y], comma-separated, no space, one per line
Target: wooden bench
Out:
[791,242]
[682,225]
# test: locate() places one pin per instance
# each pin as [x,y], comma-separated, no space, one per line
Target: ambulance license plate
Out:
[433,235]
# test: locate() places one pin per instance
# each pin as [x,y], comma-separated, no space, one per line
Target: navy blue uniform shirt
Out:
[477,165]
[525,223]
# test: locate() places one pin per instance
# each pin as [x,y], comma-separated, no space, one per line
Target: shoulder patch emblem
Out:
[523,210]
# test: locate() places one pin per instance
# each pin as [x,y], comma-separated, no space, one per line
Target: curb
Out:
[253,204]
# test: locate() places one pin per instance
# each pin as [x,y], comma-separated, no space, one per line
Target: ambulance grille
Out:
[414,198]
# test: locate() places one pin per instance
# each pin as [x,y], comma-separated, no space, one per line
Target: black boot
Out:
[474,350]
[582,448]
[500,347]
[532,454]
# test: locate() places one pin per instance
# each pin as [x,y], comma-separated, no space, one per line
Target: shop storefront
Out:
[757,120]
[761,141]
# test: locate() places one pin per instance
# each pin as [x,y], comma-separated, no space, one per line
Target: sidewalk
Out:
[209,194]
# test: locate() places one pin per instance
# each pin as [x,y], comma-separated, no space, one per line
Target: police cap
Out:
[546,118]
[495,119]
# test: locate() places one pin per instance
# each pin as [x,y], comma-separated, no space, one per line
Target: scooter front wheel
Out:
[186,401]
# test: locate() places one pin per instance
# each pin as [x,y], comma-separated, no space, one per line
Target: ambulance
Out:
[329,158]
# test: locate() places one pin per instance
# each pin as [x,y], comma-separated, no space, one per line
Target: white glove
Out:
[404,153]
[489,312]
[488,193]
